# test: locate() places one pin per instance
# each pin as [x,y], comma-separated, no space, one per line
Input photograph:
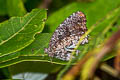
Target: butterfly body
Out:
[67,35]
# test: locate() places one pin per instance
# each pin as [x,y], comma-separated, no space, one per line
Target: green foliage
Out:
[94,11]
[15,8]
[33,52]
[100,29]
[25,35]
[17,33]
[3,7]
[12,7]
[22,33]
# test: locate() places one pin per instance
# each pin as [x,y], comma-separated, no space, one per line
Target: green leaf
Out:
[19,32]
[33,52]
[94,11]
[3,7]
[106,25]
[15,8]
[97,33]
[12,8]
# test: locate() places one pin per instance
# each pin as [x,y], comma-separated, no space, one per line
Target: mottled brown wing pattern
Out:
[67,35]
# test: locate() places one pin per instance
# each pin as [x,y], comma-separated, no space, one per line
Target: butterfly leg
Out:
[71,49]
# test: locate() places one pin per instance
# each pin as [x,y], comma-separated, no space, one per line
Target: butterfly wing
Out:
[67,35]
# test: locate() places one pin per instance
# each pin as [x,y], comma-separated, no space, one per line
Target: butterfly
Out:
[66,37]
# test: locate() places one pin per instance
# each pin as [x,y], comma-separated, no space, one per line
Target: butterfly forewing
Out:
[67,35]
